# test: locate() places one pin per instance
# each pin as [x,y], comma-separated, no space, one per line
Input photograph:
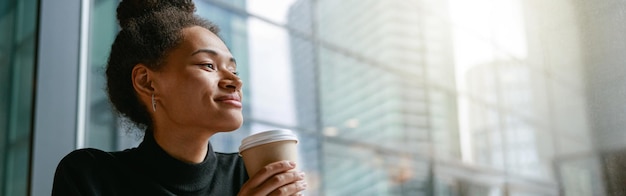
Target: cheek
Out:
[202,90]
[181,94]
[194,93]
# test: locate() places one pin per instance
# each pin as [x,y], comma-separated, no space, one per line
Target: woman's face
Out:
[198,87]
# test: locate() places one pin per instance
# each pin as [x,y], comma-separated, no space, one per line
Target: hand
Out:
[275,179]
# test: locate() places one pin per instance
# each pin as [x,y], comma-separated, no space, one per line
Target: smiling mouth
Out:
[232,100]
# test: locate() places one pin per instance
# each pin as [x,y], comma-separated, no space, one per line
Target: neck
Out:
[183,144]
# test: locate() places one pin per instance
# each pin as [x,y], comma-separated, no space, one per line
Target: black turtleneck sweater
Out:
[147,170]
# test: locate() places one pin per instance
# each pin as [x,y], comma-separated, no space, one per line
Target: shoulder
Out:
[79,171]
[85,153]
[95,172]
[84,157]
[83,161]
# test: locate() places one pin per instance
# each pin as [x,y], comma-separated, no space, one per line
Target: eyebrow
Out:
[212,52]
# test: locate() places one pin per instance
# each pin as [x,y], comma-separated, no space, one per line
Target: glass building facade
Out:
[394,97]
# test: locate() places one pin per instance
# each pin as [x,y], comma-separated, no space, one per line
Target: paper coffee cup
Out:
[267,147]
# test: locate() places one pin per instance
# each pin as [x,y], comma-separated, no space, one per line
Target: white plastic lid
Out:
[267,137]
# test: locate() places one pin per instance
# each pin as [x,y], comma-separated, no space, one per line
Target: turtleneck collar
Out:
[175,173]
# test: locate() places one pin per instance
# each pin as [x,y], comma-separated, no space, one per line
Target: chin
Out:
[232,125]
[224,122]
[230,129]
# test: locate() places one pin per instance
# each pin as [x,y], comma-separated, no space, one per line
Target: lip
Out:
[231,99]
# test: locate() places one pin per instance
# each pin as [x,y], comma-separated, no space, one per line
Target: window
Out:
[18,33]
[415,97]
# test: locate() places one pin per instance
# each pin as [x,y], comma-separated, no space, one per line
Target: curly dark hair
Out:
[149,30]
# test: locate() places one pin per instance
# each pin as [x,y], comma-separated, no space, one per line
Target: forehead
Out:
[196,38]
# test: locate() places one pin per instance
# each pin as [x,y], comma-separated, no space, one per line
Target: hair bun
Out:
[130,9]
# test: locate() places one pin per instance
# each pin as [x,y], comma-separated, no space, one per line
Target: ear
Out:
[142,81]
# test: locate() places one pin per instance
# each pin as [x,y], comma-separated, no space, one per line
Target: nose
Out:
[230,81]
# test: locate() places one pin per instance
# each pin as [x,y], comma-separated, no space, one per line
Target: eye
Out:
[210,66]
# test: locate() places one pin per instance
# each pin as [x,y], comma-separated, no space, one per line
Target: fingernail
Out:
[292,164]
[303,185]
[301,175]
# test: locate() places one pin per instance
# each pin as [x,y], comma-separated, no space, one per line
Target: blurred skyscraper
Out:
[509,143]
[383,73]
[602,49]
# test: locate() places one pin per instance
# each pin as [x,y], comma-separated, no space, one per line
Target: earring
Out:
[153,103]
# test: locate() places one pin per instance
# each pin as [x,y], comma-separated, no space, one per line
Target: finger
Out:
[281,183]
[253,185]
[290,189]
[270,170]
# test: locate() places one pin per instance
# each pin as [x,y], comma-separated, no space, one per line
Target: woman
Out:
[170,73]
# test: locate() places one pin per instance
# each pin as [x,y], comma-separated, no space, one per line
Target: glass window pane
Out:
[270,74]
[101,128]
[18,35]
